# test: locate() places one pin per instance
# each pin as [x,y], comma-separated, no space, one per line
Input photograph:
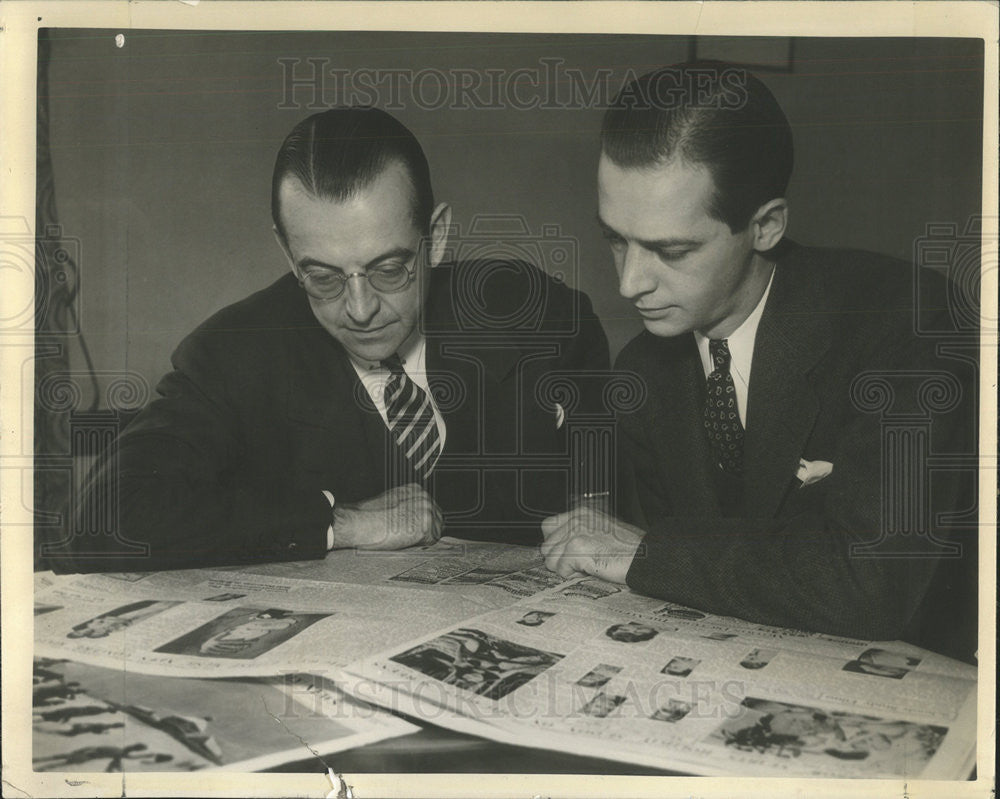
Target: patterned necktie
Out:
[722,416]
[411,419]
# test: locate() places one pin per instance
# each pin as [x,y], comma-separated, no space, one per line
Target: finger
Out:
[552,555]
[395,497]
[571,556]
[559,536]
[568,566]
[405,493]
[547,547]
[557,520]
[558,559]
[555,541]
[417,490]
[574,564]
[553,523]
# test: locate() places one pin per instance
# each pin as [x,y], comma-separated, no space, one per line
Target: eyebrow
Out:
[396,252]
[653,244]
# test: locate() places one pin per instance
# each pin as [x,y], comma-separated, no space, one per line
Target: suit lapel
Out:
[782,404]
[449,378]
[679,379]
[328,394]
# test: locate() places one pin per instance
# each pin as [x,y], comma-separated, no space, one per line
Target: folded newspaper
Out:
[88,718]
[591,669]
[497,646]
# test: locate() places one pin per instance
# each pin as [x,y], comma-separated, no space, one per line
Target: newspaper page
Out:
[494,574]
[308,616]
[88,718]
[593,669]
[589,595]
[204,623]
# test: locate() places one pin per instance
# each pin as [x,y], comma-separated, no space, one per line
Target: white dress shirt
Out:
[741,342]
[374,376]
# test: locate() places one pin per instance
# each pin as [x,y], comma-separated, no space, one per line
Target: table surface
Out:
[434,750]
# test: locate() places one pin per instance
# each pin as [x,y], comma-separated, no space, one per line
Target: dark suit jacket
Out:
[783,553]
[263,411]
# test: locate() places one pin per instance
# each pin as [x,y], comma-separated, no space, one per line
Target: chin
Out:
[666,328]
[373,351]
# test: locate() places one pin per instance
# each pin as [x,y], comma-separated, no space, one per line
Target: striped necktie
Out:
[410,416]
[722,417]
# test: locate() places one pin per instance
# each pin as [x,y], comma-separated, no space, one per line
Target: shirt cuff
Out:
[329,530]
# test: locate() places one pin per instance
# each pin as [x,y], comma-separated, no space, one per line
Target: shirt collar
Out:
[740,340]
[411,353]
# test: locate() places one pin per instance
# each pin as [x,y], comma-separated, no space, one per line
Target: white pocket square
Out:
[812,471]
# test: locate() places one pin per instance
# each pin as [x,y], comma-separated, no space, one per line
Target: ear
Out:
[284,248]
[440,224]
[769,224]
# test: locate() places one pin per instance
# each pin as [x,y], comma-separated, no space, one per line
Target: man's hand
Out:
[586,540]
[401,517]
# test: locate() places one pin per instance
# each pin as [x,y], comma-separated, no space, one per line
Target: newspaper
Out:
[88,718]
[593,669]
[581,666]
[493,574]
[224,623]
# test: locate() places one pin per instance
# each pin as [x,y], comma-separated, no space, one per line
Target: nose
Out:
[633,276]
[362,302]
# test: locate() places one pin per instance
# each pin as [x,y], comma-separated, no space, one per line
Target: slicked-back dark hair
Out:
[711,114]
[336,153]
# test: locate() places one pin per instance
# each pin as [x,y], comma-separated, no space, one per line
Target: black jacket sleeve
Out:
[176,495]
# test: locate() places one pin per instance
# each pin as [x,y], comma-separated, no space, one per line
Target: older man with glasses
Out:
[373,398]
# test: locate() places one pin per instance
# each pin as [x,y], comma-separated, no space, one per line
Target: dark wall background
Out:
[162,152]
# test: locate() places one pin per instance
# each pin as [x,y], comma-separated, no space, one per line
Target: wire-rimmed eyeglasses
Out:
[329,284]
